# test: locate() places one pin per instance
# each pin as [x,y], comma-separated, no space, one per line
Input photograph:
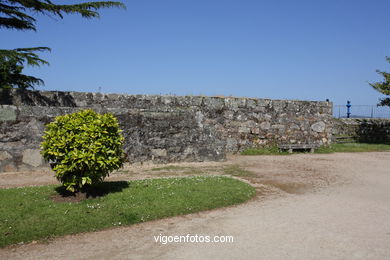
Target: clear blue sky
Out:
[301,49]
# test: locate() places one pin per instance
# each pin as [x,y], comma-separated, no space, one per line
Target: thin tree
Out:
[383,86]
[18,15]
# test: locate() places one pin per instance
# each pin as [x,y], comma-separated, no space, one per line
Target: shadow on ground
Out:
[98,190]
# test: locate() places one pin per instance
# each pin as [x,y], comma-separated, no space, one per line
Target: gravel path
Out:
[334,206]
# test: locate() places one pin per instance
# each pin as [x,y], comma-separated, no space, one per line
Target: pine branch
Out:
[16,23]
[85,9]
[12,63]
[15,12]
[384,102]
[383,86]
[17,19]
[25,55]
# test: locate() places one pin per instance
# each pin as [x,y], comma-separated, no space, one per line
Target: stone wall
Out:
[365,130]
[163,128]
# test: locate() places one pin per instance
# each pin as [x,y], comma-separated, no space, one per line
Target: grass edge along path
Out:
[334,148]
[29,213]
[353,147]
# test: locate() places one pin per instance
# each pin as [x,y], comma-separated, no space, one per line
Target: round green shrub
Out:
[83,148]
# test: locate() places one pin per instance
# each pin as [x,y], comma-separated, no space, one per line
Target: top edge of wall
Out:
[25,97]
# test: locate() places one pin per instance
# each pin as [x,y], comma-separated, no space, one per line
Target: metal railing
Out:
[361,111]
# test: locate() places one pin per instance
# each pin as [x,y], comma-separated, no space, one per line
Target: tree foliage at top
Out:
[11,66]
[19,15]
[17,12]
[383,86]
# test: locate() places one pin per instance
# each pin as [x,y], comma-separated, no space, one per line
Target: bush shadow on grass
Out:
[90,192]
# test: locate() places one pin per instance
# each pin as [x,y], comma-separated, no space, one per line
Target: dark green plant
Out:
[83,148]
[12,64]
[19,15]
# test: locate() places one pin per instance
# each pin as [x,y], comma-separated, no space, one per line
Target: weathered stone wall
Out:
[365,130]
[163,128]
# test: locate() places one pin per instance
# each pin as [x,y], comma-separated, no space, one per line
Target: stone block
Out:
[32,157]
[159,152]
[265,125]
[4,155]
[318,127]
[243,129]
[7,113]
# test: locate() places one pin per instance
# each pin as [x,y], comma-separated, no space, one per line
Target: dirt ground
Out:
[309,206]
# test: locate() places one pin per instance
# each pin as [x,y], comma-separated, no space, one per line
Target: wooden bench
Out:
[291,147]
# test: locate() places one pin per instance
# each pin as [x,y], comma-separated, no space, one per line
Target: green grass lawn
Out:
[170,168]
[271,150]
[346,147]
[354,147]
[29,213]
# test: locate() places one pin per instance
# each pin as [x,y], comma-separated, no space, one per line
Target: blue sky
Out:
[301,49]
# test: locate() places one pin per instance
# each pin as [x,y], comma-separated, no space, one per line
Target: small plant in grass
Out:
[83,148]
